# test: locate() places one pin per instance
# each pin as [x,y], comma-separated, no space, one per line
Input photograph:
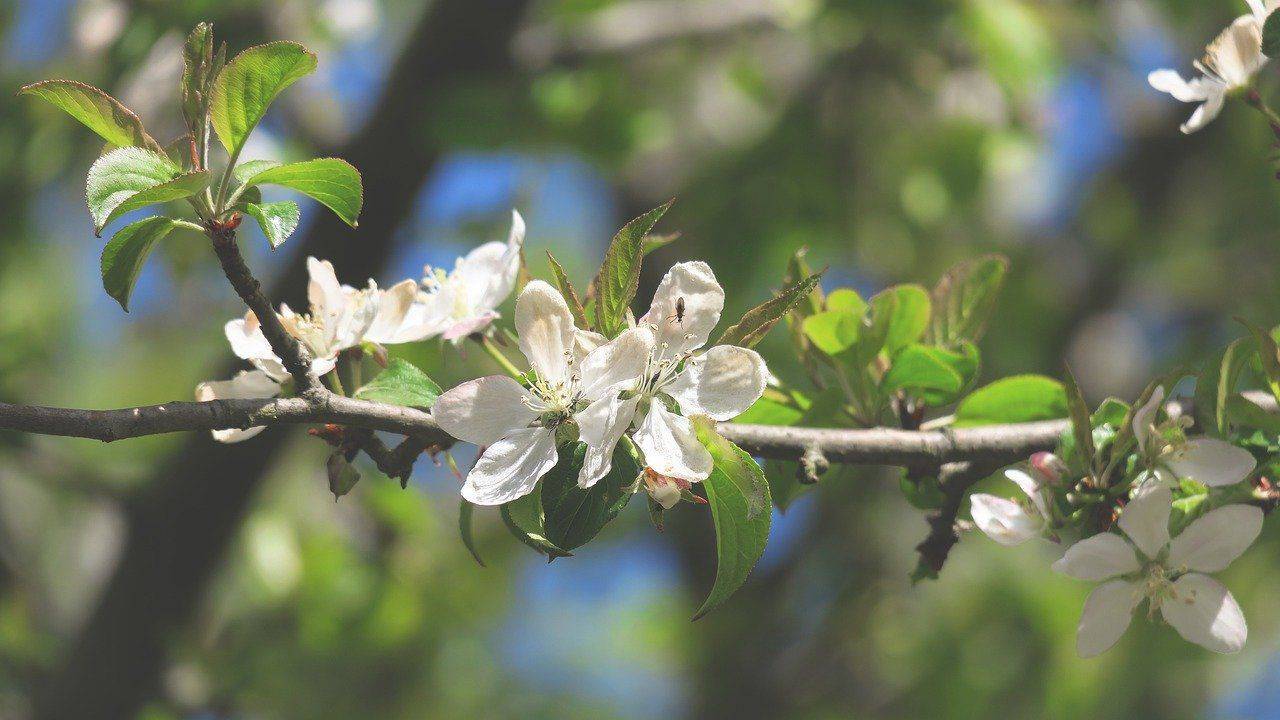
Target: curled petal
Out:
[1003,520]
[670,446]
[1107,613]
[617,362]
[1169,81]
[1215,539]
[1210,461]
[545,330]
[721,383]
[1207,111]
[1145,417]
[601,425]
[511,467]
[488,273]
[1032,487]
[483,410]
[695,284]
[392,308]
[324,292]
[1146,520]
[1203,611]
[1099,557]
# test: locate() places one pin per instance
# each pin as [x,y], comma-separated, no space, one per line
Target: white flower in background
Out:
[1168,574]
[517,425]
[341,317]
[465,301]
[1172,457]
[1229,64]
[720,383]
[1011,522]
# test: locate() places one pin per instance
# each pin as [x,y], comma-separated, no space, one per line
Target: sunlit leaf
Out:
[402,383]
[126,253]
[619,276]
[249,83]
[332,182]
[1020,398]
[98,111]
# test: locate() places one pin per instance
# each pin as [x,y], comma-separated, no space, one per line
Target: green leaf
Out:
[833,331]
[655,242]
[1016,399]
[575,515]
[619,276]
[758,321]
[1081,422]
[847,300]
[797,270]
[278,220]
[342,474]
[741,510]
[770,411]
[964,299]
[1271,35]
[1217,382]
[1111,411]
[1247,413]
[129,178]
[937,375]
[249,83]
[332,182]
[97,110]
[525,519]
[570,295]
[875,332]
[249,168]
[465,511]
[126,253]
[1269,354]
[402,383]
[910,317]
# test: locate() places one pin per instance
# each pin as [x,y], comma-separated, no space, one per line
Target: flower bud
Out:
[663,489]
[1048,466]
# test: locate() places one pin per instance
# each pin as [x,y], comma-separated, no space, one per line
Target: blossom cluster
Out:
[1134,556]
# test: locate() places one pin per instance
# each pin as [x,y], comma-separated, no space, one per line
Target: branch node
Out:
[813,465]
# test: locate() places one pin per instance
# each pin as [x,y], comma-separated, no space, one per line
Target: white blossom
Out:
[720,383]
[1013,522]
[1171,456]
[516,424]
[1229,63]
[1145,564]
[456,304]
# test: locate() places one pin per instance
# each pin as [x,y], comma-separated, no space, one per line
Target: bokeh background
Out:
[168,577]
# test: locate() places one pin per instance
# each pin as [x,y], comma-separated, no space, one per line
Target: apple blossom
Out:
[1171,456]
[1011,522]
[1169,574]
[1229,63]
[720,383]
[516,425]
[464,301]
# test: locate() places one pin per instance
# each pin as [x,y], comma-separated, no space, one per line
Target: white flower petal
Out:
[618,361]
[324,292]
[601,425]
[584,341]
[1210,461]
[511,467]
[489,272]
[1146,520]
[1003,520]
[666,494]
[545,330]
[246,338]
[1107,613]
[1099,557]
[703,303]
[1212,541]
[247,384]
[473,324]
[1169,81]
[1033,488]
[671,447]
[393,308]
[1207,111]
[1204,612]
[483,410]
[721,383]
[1145,416]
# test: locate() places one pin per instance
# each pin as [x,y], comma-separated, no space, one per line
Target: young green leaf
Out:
[525,519]
[129,178]
[402,383]
[1216,384]
[619,276]
[1246,413]
[833,331]
[937,375]
[332,182]
[1081,422]
[249,83]
[741,510]
[846,300]
[126,253]
[570,295]
[278,220]
[97,110]
[1271,35]
[964,299]
[910,317]
[573,515]
[654,242]
[797,270]
[1020,398]
[465,512]
[759,320]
